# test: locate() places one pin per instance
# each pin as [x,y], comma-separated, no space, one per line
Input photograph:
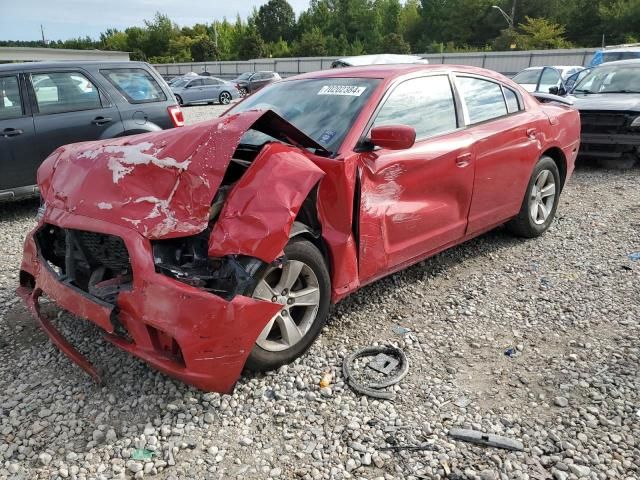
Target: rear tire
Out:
[305,303]
[225,98]
[540,200]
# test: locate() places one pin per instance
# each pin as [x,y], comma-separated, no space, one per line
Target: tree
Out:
[540,33]
[203,49]
[160,31]
[394,43]
[312,44]
[251,45]
[274,20]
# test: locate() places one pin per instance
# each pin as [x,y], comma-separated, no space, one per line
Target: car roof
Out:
[6,67]
[390,71]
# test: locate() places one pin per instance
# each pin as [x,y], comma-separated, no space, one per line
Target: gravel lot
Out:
[568,304]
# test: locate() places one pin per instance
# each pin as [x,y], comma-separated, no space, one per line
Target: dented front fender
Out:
[262,206]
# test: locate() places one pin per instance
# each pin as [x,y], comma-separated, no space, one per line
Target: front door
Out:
[69,109]
[415,201]
[19,158]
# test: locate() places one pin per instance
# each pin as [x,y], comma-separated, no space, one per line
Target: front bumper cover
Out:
[605,145]
[192,335]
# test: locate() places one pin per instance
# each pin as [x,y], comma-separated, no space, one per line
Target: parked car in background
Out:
[204,90]
[46,105]
[572,80]
[614,54]
[225,249]
[541,79]
[380,59]
[250,82]
[608,99]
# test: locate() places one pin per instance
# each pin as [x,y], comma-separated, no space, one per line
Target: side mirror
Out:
[554,90]
[393,137]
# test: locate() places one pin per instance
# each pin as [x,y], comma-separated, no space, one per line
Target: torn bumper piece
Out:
[185,332]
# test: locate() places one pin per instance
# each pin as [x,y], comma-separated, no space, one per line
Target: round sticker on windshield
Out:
[348,90]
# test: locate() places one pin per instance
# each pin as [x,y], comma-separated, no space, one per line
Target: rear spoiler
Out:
[548,97]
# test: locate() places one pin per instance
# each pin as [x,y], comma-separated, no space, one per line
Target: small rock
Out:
[561,401]
[44,458]
[580,470]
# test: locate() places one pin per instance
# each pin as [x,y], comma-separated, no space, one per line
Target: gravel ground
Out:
[566,304]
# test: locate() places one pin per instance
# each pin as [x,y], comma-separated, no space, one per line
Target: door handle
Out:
[463,159]
[12,132]
[532,133]
[101,120]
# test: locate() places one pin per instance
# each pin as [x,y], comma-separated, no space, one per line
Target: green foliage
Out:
[394,43]
[355,27]
[540,33]
[275,20]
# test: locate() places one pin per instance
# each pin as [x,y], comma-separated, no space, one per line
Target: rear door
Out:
[506,148]
[415,201]
[69,108]
[19,157]
[212,89]
[146,101]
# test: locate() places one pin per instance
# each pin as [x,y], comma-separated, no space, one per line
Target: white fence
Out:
[507,63]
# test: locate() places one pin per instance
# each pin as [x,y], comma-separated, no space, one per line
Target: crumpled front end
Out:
[129,241]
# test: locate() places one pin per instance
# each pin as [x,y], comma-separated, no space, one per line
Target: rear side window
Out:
[211,81]
[59,92]
[135,84]
[10,101]
[425,104]
[483,98]
[513,105]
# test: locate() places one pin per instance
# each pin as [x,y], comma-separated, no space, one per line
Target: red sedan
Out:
[220,246]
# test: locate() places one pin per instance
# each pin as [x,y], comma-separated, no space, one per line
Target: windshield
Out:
[611,79]
[324,109]
[527,76]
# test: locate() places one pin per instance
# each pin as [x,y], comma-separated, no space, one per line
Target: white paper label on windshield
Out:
[349,90]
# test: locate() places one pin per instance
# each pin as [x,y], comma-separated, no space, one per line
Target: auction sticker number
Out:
[349,90]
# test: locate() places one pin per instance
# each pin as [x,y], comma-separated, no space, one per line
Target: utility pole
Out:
[215,34]
[44,42]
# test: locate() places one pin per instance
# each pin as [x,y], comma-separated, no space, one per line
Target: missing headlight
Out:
[186,260]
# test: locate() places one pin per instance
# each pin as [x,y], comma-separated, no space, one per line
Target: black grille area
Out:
[97,263]
[605,122]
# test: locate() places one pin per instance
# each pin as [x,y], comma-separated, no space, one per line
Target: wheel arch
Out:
[557,155]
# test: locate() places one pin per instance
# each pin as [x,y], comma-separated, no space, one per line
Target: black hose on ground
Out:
[375,389]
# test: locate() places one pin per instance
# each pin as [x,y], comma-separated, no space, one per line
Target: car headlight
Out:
[636,122]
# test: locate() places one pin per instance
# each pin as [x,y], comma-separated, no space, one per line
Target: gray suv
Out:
[46,105]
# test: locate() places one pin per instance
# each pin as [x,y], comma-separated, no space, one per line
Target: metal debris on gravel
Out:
[565,298]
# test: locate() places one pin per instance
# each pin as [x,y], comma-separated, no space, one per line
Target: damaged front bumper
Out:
[186,332]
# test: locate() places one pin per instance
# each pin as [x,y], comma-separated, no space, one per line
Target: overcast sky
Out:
[64,19]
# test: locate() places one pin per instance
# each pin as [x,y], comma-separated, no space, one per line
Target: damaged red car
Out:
[222,245]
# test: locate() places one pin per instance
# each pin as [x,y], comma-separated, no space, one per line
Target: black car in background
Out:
[608,99]
[46,105]
[250,82]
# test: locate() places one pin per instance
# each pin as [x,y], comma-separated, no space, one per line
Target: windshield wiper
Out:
[578,90]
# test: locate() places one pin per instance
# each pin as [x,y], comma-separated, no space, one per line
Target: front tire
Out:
[540,201]
[179,100]
[303,288]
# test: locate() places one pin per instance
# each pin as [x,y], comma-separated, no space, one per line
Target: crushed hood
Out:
[160,184]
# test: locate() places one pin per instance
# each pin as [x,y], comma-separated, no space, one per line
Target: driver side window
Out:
[425,104]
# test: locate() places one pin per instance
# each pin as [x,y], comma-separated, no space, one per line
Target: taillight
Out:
[176,115]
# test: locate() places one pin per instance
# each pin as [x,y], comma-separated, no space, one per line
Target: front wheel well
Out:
[557,155]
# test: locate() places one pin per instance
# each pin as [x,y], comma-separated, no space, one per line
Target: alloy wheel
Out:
[543,197]
[225,98]
[294,286]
